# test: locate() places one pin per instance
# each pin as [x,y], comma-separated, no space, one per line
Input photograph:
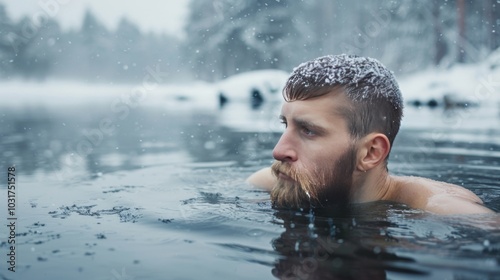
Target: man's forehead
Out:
[326,105]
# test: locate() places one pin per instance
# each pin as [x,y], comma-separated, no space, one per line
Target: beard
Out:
[329,183]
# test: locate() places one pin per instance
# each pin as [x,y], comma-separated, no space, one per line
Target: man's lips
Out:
[283,176]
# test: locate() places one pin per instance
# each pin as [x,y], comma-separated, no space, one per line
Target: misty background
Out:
[226,37]
[112,114]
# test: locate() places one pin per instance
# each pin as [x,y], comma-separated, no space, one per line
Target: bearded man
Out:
[341,116]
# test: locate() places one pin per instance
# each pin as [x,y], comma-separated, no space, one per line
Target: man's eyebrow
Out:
[304,123]
[309,125]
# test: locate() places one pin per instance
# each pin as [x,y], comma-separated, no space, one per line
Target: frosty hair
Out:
[376,102]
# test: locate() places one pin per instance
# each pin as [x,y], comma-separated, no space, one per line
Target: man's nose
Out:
[285,150]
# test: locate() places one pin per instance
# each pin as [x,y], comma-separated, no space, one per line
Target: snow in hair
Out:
[349,71]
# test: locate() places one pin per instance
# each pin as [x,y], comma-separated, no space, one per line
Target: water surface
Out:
[158,193]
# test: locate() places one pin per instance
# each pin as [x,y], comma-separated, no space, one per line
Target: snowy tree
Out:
[476,26]
[7,53]
[97,46]
[34,55]
[408,42]
[226,37]
[127,49]
[93,31]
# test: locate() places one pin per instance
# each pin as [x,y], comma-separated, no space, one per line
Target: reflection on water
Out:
[155,193]
[329,247]
[74,139]
[378,241]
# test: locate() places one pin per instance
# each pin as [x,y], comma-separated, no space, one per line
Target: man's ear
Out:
[372,151]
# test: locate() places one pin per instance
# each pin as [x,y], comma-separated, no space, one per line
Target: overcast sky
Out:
[150,15]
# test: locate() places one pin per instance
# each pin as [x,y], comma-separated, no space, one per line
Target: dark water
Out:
[151,193]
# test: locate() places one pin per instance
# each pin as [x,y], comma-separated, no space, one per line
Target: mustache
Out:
[305,182]
[278,167]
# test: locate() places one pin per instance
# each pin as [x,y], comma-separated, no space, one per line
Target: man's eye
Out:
[308,132]
[284,122]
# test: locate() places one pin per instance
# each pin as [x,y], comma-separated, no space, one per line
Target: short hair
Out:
[377,104]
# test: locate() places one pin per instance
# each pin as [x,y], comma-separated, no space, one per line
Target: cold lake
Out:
[108,191]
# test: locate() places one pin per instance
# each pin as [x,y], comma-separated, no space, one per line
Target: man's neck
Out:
[372,185]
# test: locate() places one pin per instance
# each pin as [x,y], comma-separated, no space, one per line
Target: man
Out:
[341,116]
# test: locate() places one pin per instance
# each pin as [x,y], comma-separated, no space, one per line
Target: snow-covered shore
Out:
[477,83]
[473,83]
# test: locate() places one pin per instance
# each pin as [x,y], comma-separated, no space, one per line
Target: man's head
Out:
[376,102]
[342,115]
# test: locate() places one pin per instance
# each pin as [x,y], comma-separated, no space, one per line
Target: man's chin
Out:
[288,194]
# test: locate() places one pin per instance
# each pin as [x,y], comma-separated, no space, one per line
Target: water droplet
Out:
[209,145]
[255,232]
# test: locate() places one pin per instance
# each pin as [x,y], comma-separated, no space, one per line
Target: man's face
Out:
[315,155]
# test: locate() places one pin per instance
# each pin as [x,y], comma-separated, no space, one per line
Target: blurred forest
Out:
[225,37]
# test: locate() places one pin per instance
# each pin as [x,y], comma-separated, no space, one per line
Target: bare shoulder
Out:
[442,198]
[263,179]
